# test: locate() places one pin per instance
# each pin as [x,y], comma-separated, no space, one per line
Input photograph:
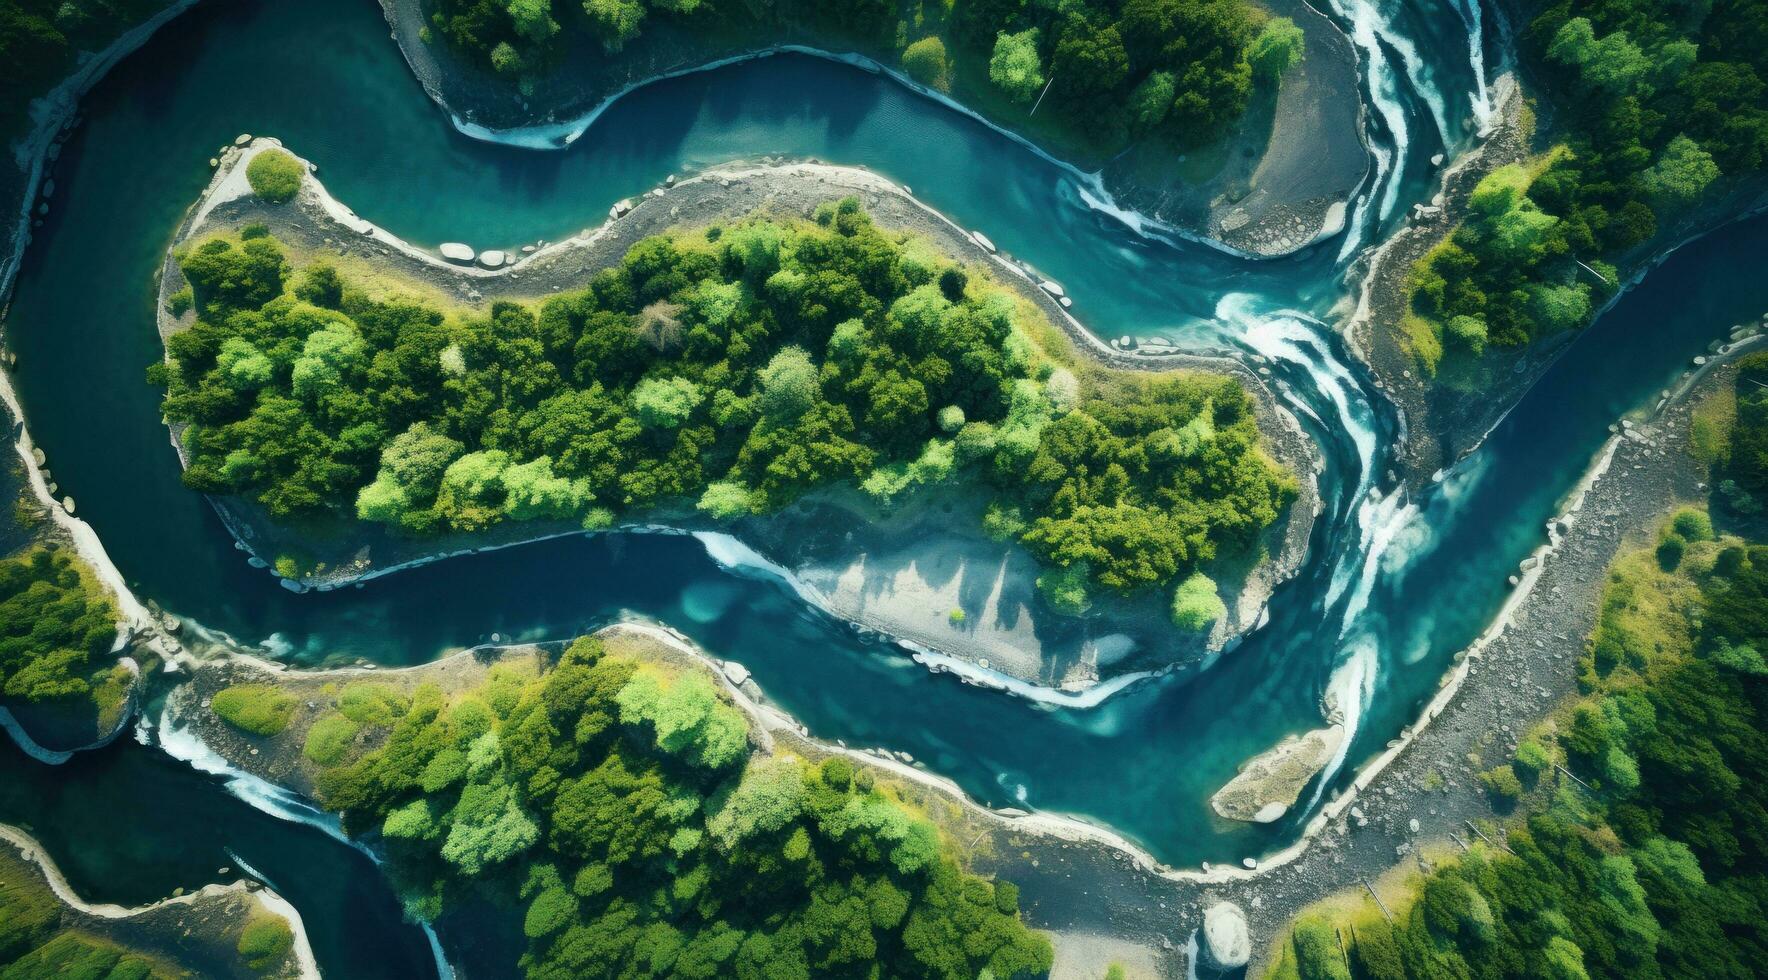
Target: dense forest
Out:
[614,803]
[1653,861]
[1114,70]
[732,370]
[1652,101]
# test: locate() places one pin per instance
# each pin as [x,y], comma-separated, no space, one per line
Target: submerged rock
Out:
[1227,941]
[1269,784]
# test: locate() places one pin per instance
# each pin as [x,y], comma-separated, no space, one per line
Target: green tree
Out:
[1015,67]
[925,62]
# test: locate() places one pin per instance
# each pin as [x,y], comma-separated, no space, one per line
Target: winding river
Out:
[1394,588]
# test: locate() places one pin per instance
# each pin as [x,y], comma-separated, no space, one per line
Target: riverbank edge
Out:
[34,853]
[438,75]
[1282,437]
[1371,325]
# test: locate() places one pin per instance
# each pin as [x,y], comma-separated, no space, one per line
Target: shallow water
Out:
[326,81]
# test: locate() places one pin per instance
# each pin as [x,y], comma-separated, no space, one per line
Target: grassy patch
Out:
[330,739]
[265,940]
[275,175]
[258,709]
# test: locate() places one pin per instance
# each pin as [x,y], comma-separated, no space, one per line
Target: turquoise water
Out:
[324,78]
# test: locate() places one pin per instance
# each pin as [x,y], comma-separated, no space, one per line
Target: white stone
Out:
[1270,813]
[1051,287]
[736,672]
[242,139]
[1227,941]
[491,258]
[456,252]
[982,240]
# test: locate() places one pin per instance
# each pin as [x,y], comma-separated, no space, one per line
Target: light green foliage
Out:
[275,175]
[330,739]
[687,715]
[789,386]
[925,62]
[370,703]
[951,419]
[331,355]
[1196,604]
[1469,332]
[1501,782]
[259,709]
[1015,67]
[533,19]
[769,796]
[1692,524]
[265,940]
[1681,174]
[1279,46]
[725,500]
[614,22]
[1611,63]
[242,366]
[664,403]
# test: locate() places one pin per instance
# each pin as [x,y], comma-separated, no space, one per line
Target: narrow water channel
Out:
[1377,623]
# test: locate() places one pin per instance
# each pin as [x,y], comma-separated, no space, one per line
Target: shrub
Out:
[179,303]
[925,62]
[1015,67]
[1278,47]
[275,175]
[1196,604]
[1692,525]
[956,616]
[329,740]
[1065,589]
[1501,782]
[265,940]
[1669,550]
[259,709]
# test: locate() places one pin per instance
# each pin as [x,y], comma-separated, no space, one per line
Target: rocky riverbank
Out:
[1288,170]
[900,573]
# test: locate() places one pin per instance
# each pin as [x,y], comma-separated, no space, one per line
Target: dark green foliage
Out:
[55,630]
[653,851]
[1748,462]
[738,370]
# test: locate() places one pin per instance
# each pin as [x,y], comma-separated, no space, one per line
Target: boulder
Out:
[1052,287]
[1270,783]
[491,258]
[457,252]
[982,240]
[1226,941]
[736,672]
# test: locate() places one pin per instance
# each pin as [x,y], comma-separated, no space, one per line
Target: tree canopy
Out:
[736,369]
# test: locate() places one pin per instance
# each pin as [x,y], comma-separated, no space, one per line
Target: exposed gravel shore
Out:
[1274,196]
[899,574]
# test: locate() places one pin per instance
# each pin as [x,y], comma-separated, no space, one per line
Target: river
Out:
[1394,588]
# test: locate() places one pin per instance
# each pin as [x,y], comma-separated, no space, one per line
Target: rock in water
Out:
[1270,783]
[457,252]
[491,258]
[1227,942]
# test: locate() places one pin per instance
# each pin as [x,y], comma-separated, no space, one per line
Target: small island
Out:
[753,352]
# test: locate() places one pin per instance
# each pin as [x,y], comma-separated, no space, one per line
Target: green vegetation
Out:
[1196,604]
[1730,435]
[258,709]
[56,631]
[37,944]
[1656,864]
[1201,58]
[1654,100]
[275,175]
[265,940]
[735,370]
[614,804]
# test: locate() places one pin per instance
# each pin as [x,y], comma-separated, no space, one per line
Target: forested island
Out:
[712,376]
